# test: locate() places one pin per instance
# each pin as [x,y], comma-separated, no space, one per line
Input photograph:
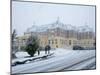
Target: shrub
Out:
[32,45]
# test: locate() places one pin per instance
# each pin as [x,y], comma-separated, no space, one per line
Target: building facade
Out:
[59,35]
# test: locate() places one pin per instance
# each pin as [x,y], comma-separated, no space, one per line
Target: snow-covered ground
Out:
[61,59]
[21,56]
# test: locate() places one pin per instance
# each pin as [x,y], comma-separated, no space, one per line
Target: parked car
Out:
[78,48]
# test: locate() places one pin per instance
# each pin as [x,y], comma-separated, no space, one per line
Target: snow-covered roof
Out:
[58,24]
[84,28]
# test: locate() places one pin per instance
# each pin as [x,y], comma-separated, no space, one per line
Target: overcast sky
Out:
[26,14]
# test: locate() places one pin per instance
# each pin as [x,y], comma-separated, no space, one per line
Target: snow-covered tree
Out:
[32,45]
[13,36]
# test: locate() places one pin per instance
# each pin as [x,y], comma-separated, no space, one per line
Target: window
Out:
[69,42]
[55,41]
[56,46]
[52,42]
[49,41]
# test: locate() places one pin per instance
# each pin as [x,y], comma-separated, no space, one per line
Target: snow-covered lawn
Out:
[21,56]
[58,51]
[62,58]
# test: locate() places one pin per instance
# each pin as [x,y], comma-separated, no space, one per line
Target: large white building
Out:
[59,35]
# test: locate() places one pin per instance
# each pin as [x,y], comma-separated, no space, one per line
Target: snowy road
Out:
[82,65]
[69,60]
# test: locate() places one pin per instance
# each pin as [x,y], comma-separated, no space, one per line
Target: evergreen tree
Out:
[13,36]
[32,45]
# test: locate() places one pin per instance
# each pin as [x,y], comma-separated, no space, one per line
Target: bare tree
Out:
[13,36]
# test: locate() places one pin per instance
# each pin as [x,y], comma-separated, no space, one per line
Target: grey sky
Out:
[25,14]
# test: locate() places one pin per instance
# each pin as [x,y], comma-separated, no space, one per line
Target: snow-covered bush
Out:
[32,45]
